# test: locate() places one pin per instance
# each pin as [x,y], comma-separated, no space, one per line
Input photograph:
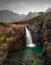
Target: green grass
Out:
[35,62]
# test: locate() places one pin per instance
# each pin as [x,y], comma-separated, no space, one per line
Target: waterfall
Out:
[29,42]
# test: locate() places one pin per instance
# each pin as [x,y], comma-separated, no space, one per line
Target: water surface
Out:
[25,56]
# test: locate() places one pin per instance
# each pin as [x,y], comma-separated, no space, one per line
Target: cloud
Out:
[24,6]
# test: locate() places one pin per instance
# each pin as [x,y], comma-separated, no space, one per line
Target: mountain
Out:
[36,19]
[9,16]
[31,15]
[48,10]
[6,15]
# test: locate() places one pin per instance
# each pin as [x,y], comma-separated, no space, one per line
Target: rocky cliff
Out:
[12,37]
[16,37]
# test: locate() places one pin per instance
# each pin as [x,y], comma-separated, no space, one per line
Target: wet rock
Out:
[49,52]
[46,53]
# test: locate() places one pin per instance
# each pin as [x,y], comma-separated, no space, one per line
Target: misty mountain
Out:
[48,10]
[6,15]
[9,16]
[31,15]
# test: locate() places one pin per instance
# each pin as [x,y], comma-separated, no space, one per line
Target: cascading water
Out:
[29,42]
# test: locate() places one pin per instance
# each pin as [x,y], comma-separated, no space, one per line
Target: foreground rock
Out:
[3,53]
[3,56]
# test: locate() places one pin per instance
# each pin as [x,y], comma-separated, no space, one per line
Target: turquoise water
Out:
[25,56]
[35,51]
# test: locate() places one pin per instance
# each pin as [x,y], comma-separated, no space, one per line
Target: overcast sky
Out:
[24,6]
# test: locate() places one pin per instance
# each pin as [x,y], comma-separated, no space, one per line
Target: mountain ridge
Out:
[10,16]
[48,10]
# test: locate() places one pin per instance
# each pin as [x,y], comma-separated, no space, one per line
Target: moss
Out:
[2,38]
[35,62]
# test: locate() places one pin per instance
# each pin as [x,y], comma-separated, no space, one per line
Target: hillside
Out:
[9,16]
[6,15]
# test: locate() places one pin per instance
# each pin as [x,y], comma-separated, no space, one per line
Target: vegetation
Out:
[2,38]
[35,62]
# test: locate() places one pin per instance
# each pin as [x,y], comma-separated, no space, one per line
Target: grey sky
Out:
[24,6]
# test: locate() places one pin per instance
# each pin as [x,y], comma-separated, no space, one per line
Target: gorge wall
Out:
[15,36]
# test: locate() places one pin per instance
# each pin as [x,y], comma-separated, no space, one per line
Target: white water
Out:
[29,39]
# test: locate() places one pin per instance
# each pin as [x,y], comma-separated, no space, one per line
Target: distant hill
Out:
[48,10]
[9,16]
[6,15]
[31,15]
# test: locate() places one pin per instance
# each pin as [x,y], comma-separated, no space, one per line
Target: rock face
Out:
[34,29]
[16,37]
[49,52]
[47,45]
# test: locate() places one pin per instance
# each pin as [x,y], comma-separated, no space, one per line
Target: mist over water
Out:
[29,42]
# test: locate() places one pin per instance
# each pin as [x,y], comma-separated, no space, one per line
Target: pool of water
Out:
[34,51]
[27,56]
